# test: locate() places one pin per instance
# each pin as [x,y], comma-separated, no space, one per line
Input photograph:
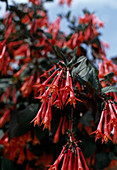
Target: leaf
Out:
[72,61]
[109,76]
[20,121]
[68,15]
[60,54]
[112,156]
[102,160]
[40,133]
[89,148]
[79,68]
[38,48]
[94,79]
[86,119]
[48,35]
[80,59]
[7,164]
[109,89]
[114,60]
[82,69]
[84,73]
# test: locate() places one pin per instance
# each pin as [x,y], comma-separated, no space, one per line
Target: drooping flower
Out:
[107,123]
[98,132]
[54,91]
[72,158]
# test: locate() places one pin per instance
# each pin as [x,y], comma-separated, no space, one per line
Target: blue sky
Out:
[106,10]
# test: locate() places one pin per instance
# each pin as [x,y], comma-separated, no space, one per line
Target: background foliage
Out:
[29,46]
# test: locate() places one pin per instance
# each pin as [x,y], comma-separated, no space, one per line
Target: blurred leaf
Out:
[102,160]
[86,119]
[48,35]
[109,76]
[40,133]
[109,89]
[112,156]
[7,164]
[68,15]
[89,148]
[59,52]
[114,60]
[20,121]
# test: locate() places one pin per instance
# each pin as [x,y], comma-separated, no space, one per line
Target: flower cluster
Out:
[107,123]
[106,67]
[16,147]
[9,93]
[56,94]
[72,158]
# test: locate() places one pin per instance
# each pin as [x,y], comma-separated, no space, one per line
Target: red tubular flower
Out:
[64,96]
[98,132]
[72,99]
[75,166]
[69,2]
[38,116]
[56,163]
[2,49]
[56,137]
[46,73]
[106,135]
[29,155]
[48,116]
[73,159]
[64,162]
[80,167]
[27,86]
[44,84]
[54,86]
[5,118]
[58,102]
[61,2]
[6,94]
[115,134]
[84,162]
[113,118]
[35,2]
[70,162]
[64,125]
[20,71]
[67,87]
[21,157]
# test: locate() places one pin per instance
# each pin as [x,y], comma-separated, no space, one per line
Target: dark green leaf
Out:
[94,79]
[60,54]
[68,15]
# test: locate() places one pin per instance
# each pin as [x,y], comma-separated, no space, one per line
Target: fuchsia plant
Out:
[55,101]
